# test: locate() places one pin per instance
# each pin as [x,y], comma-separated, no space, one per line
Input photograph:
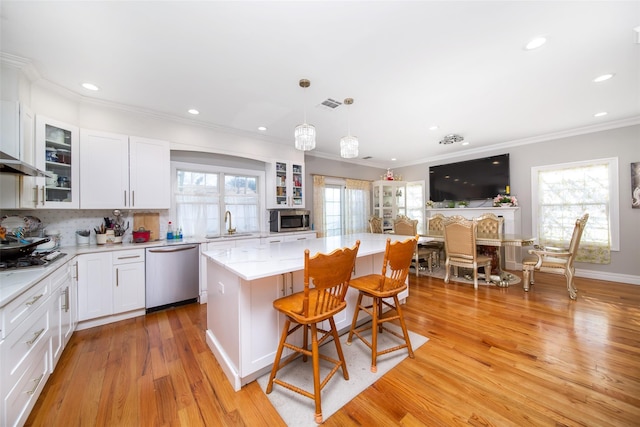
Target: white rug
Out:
[297,410]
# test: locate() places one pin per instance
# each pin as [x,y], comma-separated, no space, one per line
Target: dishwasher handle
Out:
[175,249]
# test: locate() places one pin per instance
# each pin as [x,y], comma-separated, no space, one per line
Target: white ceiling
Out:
[408,65]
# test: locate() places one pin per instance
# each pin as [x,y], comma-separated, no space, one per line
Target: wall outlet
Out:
[221,288]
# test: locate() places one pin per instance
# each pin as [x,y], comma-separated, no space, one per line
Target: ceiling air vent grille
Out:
[330,104]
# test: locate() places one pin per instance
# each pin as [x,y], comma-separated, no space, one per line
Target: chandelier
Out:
[305,134]
[349,143]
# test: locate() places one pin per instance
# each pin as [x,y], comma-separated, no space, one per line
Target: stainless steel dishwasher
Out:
[172,276]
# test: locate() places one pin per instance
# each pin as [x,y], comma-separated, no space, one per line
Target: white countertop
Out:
[255,262]
[15,282]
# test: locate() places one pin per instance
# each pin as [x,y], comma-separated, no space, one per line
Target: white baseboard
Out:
[609,277]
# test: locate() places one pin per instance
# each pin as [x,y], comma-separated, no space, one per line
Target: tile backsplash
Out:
[69,221]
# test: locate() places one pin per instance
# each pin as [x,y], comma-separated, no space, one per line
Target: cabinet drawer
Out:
[19,348]
[59,277]
[128,256]
[18,401]
[18,309]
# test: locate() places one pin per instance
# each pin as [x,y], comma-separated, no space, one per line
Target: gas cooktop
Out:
[34,260]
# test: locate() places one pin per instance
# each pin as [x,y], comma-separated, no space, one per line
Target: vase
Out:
[505,205]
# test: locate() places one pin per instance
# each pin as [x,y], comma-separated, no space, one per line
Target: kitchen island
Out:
[243,328]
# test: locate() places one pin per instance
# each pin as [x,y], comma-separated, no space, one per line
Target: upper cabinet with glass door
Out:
[56,151]
[285,185]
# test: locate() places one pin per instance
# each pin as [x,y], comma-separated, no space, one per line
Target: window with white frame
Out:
[202,195]
[563,192]
[415,203]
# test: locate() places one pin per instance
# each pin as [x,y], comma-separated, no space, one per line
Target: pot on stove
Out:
[10,250]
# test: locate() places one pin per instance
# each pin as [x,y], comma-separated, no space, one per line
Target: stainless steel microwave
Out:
[289,220]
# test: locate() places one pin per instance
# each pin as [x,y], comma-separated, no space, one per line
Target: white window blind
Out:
[561,193]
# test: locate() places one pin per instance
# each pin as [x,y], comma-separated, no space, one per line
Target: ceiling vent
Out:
[451,138]
[330,104]
[367,158]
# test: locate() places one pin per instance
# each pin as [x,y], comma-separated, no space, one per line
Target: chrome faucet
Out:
[230,230]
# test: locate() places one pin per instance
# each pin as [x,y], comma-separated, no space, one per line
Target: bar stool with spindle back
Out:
[330,274]
[395,268]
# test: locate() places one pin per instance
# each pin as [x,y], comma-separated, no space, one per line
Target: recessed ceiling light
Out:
[262,128]
[393,159]
[600,114]
[90,86]
[193,111]
[434,127]
[603,78]
[535,43]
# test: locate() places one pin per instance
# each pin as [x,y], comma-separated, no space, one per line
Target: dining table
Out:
[499,241]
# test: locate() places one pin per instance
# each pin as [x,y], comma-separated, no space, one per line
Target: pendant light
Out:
[349,143]
[305,134]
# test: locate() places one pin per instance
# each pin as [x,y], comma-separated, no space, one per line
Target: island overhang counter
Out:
[243,328]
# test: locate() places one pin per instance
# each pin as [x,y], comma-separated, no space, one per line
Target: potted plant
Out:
[505,200]
[463,204]
[429,204]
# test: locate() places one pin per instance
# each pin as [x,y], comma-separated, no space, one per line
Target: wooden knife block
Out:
[150,221]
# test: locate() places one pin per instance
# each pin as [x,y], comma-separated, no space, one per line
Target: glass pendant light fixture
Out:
[349,143]
[305,134]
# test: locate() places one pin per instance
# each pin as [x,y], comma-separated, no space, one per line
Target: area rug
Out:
[297,410]
[465,276]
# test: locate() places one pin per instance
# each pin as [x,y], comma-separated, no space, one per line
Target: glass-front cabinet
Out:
[389,201]
[56,152]
[285,185]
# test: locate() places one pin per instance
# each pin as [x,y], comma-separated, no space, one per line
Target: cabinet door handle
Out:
[128,257]
[35,336]
[283,285]
[35,387]
[43,196]
[125,197]
[133,198]
[117,277]
[34,299]
[291,283]
[65,293]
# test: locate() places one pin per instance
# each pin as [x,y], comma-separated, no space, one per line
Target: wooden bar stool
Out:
[395,268]
[330,274]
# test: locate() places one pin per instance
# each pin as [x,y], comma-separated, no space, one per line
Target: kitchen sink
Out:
[230,236]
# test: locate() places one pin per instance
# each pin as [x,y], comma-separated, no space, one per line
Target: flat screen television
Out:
[470,180]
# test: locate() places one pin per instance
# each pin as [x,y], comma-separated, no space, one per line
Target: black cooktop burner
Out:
[34,260]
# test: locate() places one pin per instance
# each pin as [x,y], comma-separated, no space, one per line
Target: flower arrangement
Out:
[504,199]
[429,204]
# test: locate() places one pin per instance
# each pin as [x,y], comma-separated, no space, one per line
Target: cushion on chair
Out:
[549,262]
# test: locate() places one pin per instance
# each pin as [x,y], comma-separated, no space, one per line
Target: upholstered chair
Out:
[490,224]
[555,260]
[406,226]
[375,224]
[460,247]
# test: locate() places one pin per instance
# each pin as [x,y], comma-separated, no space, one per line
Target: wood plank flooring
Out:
[496,357]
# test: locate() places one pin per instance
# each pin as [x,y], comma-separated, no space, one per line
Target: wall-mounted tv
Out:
[470,180]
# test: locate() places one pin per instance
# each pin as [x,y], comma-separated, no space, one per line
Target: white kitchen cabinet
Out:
[55,150]
[129,280]
[285,185]
[95,294]
[17,140]
[111,286]
[119,171]
[62,321]
[389,201]
[24,352]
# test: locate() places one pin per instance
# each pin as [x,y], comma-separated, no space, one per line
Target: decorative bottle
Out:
[170,231]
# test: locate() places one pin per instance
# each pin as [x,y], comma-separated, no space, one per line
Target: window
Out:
[415,203]
[333,210]
[562,193]
[201,200]
[343,205]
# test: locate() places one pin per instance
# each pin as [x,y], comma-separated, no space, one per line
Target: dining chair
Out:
[379,287]
[435,227]
[326,280]
[555,260]
[461,250]
[490,224]
[406,226]
[375,224]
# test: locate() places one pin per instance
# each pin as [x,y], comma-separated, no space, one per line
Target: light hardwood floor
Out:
[496,357]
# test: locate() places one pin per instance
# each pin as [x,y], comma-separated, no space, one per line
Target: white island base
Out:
[243,328]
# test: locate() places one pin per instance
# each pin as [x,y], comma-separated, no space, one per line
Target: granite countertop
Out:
[255,262]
